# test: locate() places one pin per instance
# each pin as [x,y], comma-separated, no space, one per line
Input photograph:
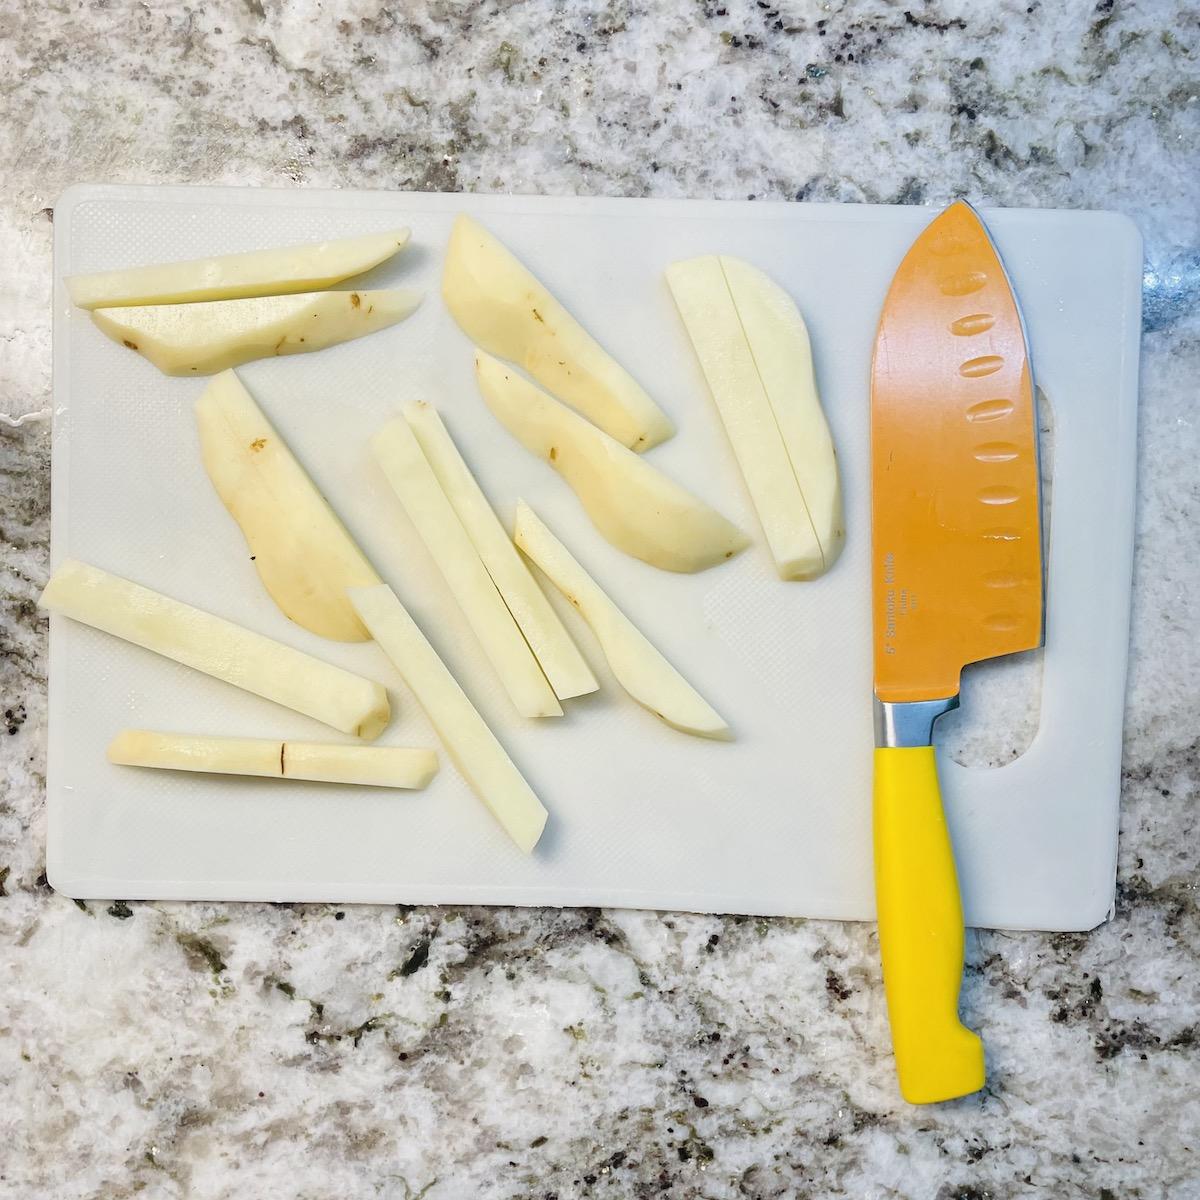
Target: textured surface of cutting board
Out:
[776,823]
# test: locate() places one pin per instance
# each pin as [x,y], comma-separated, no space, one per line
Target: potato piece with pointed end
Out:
[782,352]
[399,455]
[754,350]
[219,648]
[480,758]
[634,506]
[302,552]
[548,638]
[706,305]
[500,306]
[210,336]
[640,669]
[277,272]
[370,766]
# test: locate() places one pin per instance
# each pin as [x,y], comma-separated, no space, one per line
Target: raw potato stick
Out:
[218,647]
[779,341]
[639,667]
[500,306]
[276,272]
[372,766]
[210,336]
[480,758]
[754,351]
[412,479]
[548,638]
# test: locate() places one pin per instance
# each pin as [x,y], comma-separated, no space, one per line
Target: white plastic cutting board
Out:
[641,816]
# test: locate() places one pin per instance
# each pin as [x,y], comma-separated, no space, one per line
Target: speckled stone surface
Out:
[205,1051]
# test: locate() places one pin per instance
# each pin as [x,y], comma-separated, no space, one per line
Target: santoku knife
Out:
[957,578]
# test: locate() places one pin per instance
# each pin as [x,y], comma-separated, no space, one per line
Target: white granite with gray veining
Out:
[242,1051]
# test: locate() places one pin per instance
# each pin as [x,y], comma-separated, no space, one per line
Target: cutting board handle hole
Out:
[999,715]
[1002,698]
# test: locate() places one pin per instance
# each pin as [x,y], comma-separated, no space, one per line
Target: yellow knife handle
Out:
[921,930]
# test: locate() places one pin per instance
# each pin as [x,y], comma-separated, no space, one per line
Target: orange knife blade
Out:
[955,517]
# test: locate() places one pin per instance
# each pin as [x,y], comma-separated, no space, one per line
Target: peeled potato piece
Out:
[302,552]
[219,648]
[204,338]
[399,455]
[633,505]
[480,758]
[371,766]
[640,669]
[754,350]
[556,653]
[501,306]
[782,352]
[277,272]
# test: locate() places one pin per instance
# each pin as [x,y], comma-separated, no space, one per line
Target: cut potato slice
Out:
[218,647]
[634,506]
[480,758]
[640,669]
[278,272]
[203,338]
[302,552]
[782,352]
[754,351]
[399,454]
[372,766]
[503,308]
[557,654]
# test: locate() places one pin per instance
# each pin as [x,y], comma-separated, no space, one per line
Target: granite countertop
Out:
[171,1050]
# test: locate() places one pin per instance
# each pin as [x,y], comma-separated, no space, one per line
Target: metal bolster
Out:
[909,723]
